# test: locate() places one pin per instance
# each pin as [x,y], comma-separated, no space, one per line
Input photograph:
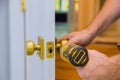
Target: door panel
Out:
[16,28]
[16,41]
[40,22]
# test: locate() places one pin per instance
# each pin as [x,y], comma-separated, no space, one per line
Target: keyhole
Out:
[50,50]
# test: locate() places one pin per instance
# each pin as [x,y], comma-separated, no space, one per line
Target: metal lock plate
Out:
[50,49]
[41,51]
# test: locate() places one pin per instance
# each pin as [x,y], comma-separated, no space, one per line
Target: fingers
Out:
[65,37]
[71,40]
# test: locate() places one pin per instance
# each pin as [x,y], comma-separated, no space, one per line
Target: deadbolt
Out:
[31,47]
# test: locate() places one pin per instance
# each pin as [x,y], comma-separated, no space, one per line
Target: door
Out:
[40,22]
[18,26]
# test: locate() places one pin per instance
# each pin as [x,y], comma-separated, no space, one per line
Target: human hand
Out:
[99,67]
[83,37]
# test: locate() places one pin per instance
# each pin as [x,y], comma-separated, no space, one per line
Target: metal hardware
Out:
[31,47]
[50,49]
[23,5]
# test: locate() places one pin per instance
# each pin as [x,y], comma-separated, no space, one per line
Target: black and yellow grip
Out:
[75,54]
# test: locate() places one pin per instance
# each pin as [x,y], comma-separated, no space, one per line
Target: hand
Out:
[80,38]
[99,67]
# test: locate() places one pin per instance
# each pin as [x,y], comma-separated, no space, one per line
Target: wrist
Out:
[109,70]
[92,32]
[114,67]
[115,59]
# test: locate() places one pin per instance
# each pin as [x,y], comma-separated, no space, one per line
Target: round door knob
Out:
[30,47]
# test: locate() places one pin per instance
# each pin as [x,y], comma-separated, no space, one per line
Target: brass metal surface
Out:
[31,47]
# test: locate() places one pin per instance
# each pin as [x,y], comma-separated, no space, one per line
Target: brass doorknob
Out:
[31,47]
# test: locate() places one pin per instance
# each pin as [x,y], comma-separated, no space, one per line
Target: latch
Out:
[31,47]
[50,49]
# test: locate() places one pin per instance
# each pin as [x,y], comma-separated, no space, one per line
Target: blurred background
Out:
[61,15]
[75,15]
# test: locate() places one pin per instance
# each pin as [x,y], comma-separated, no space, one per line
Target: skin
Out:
[99,67]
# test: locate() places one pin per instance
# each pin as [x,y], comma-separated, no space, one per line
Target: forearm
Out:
[107,15]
